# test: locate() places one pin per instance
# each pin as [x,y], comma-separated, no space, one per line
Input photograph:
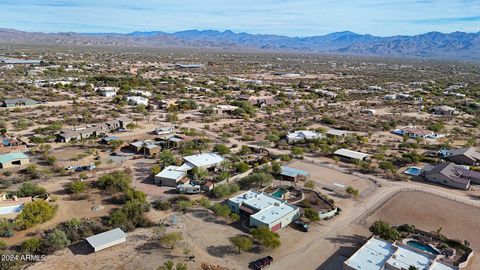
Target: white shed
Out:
[107,239]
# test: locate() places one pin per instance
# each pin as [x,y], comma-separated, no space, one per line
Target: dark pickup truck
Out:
[261,263]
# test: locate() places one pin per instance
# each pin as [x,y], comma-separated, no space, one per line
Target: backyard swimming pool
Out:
[423,247]
[413,171]
[278,193]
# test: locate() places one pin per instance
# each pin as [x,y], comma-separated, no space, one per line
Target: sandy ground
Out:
[429,212]
[326,177]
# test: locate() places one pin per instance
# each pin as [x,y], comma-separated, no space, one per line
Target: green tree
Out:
[156,169]
[310,184]
[276,167]
[29,189]
[77,186]
[352,191]
[35,212]
[387,166]
[171,239]
[384,230]
[166,158]
[243,243]
[115,182]
[311,214]
[266,237]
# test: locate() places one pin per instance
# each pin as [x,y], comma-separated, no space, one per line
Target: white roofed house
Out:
[107,91]
[135,101]
[264,209]
[303,135]
[205,160]
[174,175]
[171,176]
[350,155]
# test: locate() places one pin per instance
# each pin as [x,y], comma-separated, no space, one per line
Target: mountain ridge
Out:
[456,45]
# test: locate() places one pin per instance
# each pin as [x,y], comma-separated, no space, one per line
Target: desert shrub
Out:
[77,186]
[35,212]
[221,191]
[266,237]
[29,189]
[31,245]
[115,182]
[161,205]
[54,240]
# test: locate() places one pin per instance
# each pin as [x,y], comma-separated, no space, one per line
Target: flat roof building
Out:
[303,135]
[264,209]
[171,176]
[351,155]
[205,160]
[107,239]
[378,254]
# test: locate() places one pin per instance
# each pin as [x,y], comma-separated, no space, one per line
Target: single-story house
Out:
[205,160]
[264,210]
[146,147]
[171,176]
[444,110]
[418,133]
[107,239]
[108,139]
[13,159]
[466,156]
[8,145]
[224,109]
[17,102]
[377,254]
[292,174]
[164,130]
[303,135]
[451,175]
[350,155]
[135,101]
[94,130]
[107,91]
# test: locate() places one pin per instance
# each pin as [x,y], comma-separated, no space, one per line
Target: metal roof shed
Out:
[107,239]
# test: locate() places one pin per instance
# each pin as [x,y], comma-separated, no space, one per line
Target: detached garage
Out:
[107,239]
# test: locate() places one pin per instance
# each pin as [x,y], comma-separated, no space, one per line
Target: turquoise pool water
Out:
[413,171]
[278,193]
[423,247]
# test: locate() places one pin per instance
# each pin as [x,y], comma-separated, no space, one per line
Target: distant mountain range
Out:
[457,45]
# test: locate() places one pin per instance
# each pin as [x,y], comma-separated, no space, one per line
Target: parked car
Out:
[89,167]
[261,263]
[72,167]
[304,227]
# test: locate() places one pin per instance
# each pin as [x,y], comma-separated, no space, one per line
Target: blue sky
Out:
[285,17]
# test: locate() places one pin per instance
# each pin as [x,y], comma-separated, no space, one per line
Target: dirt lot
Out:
[326,177]
[429,212]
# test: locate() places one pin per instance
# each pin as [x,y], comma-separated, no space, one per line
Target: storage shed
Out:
[107,239]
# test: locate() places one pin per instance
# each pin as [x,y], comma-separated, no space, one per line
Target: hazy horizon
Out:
[294,18]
